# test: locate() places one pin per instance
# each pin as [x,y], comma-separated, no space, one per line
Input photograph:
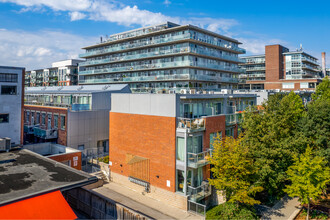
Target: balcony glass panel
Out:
[196,160]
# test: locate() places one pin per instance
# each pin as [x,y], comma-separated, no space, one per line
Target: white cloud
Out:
[257,45]
[76,15]
[167,2]
[116,12]
[39,49]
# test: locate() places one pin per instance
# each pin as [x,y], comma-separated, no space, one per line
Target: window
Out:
[180,149]
[63,122]
[230,132]
[195,144]
[8,90]
[4,118]
[55,121]
[27,120]
[288,85]
[38,118]
[8,77]
[43,118]
[213,136]
[81,147]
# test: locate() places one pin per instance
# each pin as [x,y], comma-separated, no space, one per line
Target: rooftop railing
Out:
[142,44]
[45,133]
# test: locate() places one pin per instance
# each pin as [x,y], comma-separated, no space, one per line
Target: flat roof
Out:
[215,96]
[12,67]
[75,89]
[25,174]
[295,52]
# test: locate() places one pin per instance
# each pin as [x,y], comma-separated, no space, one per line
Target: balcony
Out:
[191,125]
[198,193]
[232,119]
[196,160]
[28,129]
[45,133]
[305,59]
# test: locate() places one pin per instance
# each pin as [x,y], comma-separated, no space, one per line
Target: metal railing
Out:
[196,208]
[198,193]
[199,159]
[190,124]
[45,133]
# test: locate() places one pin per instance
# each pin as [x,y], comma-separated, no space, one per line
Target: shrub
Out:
[104,159]
[231,211]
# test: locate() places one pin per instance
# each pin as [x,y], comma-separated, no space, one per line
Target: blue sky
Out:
[35,33]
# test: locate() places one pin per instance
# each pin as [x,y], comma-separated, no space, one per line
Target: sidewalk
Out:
[286,209]
[150,207]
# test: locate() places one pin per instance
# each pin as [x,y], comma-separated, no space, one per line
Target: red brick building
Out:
[162,142]
[281,69]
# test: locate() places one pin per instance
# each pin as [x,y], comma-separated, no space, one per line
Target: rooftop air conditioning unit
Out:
[171,92]
[211,92]
[7,143]
[2,144]
[192,91]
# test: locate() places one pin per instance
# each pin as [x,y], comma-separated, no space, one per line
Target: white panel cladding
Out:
[145,104]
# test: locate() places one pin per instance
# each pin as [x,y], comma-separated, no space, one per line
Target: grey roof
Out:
[88,89]
[24,173]
[215,96]
[12,67]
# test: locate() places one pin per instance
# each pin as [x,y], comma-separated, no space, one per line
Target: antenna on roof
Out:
[301,48]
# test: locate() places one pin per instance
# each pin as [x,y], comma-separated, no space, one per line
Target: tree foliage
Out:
[309,176]
[273,138]
[233,171]
[231,211]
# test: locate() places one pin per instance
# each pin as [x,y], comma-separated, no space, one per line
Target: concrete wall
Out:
[12,104]
[146,104]
[87,127]
[97,206]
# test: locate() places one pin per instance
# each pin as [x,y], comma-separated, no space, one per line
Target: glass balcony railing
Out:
[189,124]
[196,160]
[234,118]
[45,133]
[257,68]
[305,59]
[162,53]
[161,65]
[142,44]
[198,193]
[161,78]
[28,129]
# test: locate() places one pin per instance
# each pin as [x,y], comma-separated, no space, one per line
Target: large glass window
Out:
[180,149]
[4,118]
[195,144]
[38,118]
[180,180]
[8,90]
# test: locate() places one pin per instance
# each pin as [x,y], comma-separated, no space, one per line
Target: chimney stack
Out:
[323,65]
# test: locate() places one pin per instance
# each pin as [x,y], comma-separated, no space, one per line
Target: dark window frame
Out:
[8,90]
[2,118]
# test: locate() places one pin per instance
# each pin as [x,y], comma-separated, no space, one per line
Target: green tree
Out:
[273,138]
[322,90]
[309,176]
[233,171]
[316,124]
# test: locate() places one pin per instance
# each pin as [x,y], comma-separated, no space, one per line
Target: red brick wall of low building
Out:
[69,156]
[151,137]
[274,63]
[62,133]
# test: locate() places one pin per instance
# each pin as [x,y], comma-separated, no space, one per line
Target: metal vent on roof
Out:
[80,88]
[59,89]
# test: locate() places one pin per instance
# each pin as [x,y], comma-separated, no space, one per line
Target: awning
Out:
[47,206]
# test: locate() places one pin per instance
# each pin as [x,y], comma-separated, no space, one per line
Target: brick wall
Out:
[274,63]
[69,156]
[151,137]
[62,133]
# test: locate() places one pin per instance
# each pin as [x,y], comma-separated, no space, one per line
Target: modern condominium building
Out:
[164,58]
[73,116]
[11,106]
[160,142]
[280,68]
[62,73]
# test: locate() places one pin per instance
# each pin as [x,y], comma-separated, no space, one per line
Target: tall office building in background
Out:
[164,58]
